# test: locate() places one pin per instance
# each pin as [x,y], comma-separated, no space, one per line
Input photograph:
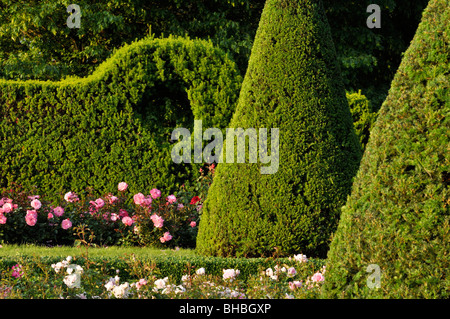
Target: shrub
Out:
[159,277]
[62,224]
[293,84]
[363,115]
[172,221]
[397,216]
[155,219]
[115,124]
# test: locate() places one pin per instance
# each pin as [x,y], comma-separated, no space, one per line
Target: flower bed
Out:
[140,278]
[112,219]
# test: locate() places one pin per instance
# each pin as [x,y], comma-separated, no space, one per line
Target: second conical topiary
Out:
[393,239]
[291,204]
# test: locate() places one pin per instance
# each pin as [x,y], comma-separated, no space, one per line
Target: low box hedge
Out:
[165,266]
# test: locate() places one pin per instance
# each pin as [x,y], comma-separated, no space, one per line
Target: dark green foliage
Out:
[36,43]
[370,57]
[398,213]
[114,125]
[293,84]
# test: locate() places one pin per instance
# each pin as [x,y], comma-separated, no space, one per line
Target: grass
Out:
[113,251]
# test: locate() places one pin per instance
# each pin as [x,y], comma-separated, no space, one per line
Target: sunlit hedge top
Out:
[115,124]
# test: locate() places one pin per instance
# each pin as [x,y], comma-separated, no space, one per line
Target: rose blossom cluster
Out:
[99,208]
[230,274]
[142,200]
[118,290]
[6,206]
[171,199]
[290,272]
[73,279]
[31,217]
[166,237]
[71,197]
[163,284]
[99,203]
[17,271]
[158,221]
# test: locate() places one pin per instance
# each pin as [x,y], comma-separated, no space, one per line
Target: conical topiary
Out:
[393,240]
[293,84]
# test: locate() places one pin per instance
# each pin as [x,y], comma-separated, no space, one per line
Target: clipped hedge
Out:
[293,84]
[398,215]
[165,266]
[115,125]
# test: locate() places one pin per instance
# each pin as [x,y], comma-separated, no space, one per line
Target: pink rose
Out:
[71,197]
[171,199]
[58,211]
[155,193]
[167,236]
[140,283]
[295,284]
[180,206]
[99,203]
[49,216]
[123,213]
[193,224]
[36,204]
[317,277]
[122,186]
[230,273]
[127,221]
[114,217]
[7,207]
[2,219]
[31,217]
[112,199]
[291,272]
[32,213]
[17,271]
[157,221]
[147,201]
[66,223]
[139,198]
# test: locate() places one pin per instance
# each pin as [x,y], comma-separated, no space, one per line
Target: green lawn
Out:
[113,251]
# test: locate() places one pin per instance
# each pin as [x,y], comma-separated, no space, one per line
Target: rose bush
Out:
[113,219]
[79,277]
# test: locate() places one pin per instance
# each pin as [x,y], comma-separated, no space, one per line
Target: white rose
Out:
[110,284]
[73,280]
[200,271]
[122,290]
[160,283]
